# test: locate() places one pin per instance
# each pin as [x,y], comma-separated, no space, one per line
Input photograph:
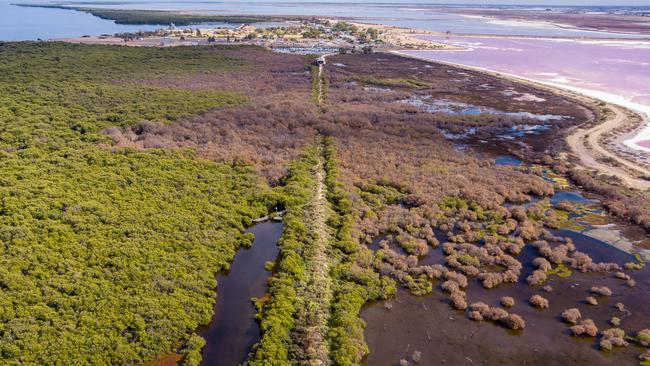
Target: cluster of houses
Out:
[315,36]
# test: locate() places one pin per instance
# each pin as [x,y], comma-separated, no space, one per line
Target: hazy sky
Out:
[503,2]
[482,2]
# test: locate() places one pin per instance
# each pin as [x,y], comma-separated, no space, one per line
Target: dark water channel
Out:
[233,330]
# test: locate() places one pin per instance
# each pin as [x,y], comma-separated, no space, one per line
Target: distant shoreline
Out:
[165,17]
[524,36]
[632,24]
[197,17]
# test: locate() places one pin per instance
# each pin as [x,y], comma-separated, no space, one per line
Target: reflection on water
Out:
[447,337]
[406,13]
[458,108]
[233,330]
[443,336]
[22,23]
[571,196]
[522,130]
[617,71]
[507,161]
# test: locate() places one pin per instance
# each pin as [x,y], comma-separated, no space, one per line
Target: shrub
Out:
[507,301]
[602,290]
[612,337]
[585,327]
[571,316]
[643,337]
[513,321]
[538,302]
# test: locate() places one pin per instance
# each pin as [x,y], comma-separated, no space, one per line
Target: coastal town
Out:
[312,36]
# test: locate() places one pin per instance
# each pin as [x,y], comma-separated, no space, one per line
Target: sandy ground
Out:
[406,37]
[616,239]
[144,41]
[586,144]
[614,23]
[94,40]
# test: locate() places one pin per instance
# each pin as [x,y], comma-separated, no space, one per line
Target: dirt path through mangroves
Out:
[315,292]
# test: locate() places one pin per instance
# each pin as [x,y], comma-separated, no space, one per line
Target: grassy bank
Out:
[355,281]
[277,312]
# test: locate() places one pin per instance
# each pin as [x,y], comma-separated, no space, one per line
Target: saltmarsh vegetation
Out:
[108,255]
[288,313]
[277,311]
[355,281]
[391,82]
[416,196]
[111,243]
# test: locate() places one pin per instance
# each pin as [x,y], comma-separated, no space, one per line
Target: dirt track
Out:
[315,293]
[585,143]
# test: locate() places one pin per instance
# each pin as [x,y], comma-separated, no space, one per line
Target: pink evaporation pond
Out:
[616,67]
[644,143]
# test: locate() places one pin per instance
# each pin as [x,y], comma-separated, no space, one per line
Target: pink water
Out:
[621,68]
